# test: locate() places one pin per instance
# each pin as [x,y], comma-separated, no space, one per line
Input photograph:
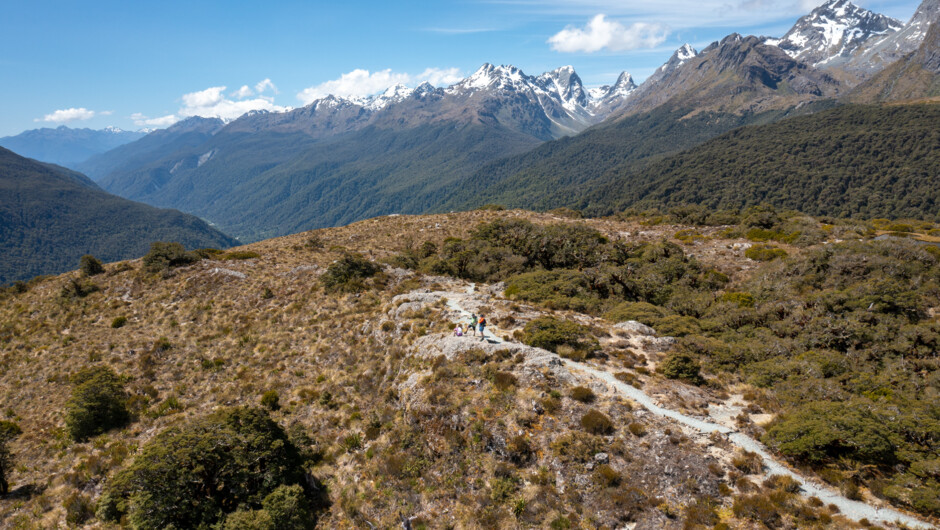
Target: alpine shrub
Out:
[348,272]
[196,474]
[90,265]
[165,255]
[681,366]
[550,333]
[97,404]
[8,431]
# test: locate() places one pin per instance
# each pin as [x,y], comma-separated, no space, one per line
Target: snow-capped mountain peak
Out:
[392,94]
[424,89]
[892,46]
[565,84]
[833,32]
[679,57]
[685,52]
[490,76]
[609,93]
[555,101]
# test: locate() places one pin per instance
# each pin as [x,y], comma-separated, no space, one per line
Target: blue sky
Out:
[144,64]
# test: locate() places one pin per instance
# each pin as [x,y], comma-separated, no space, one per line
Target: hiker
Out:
[482,325]
[473,324]
[458,331]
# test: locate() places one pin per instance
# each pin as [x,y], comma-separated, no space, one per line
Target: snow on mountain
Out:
[549,105]
[608,98]
[685,52]
[560,92]
[679,57]
[682,55]
[833,32]
[393,94]
[565,85]
[880,52]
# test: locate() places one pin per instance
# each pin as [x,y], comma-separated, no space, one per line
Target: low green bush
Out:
[240,254]
[348,273]
[551,334]
[760,235]
[596,422]
[166,255]
[765,253]
[678,326]
[196,474]
[556,289]
[8,431]
[582,394]
[98,403]
[821,431]
[644,312]
[740,299]
[682,366]
[270,400]
[90,265]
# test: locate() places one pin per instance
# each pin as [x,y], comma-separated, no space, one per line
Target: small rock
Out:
[602,458]
[635,327]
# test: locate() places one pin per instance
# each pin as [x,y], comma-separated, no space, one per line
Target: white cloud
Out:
[244,92]
[163,121]
[601,33]
[204,98]
[360,82]
[440,76]
[260,87]
[357,83]
[68,115]
[213,103]
[265,85]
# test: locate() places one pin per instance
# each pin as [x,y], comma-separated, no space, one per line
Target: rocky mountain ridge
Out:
[736,74]
[834,32]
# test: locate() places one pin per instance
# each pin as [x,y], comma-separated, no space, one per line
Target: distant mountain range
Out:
[338,160]
[503,136]
[65,146]
[51,216]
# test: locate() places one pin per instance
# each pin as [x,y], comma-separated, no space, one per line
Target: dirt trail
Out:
[852,509]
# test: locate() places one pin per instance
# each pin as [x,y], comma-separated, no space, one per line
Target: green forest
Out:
[851,161]
[556,173]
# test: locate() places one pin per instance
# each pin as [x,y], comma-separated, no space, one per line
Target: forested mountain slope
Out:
[849,161]
[51,216]
[563,172]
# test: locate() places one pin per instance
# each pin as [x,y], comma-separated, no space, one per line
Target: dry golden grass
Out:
[468,446]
